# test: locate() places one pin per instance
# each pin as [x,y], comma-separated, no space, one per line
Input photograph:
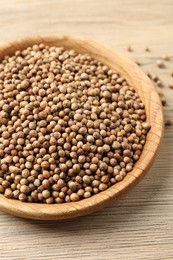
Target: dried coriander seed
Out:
[147,49]
[169,122]
[166,57]
[160,64]
[129,48]
[171,85]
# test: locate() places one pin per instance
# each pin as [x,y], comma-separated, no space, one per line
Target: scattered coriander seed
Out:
[137,62]
[163,100]
[171,85]
[166,57]
[149,75]
[169,122]
[147,49]
[159,84]
[155,78]
[160,64]
[129,48]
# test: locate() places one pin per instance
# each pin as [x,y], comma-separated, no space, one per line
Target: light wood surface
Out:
[134,77]
[139,225]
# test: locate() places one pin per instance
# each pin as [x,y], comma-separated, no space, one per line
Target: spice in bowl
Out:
[70,127]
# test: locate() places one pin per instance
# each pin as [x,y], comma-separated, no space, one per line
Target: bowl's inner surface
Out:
[136,78]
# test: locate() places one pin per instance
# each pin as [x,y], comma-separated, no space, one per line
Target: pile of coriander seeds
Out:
[70,127]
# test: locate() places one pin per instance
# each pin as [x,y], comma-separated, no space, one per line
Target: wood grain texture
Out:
[136,78]
[139,225]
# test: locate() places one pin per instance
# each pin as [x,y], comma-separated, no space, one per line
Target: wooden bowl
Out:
[142,84]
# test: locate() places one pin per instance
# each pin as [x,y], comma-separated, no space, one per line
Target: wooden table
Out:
[140,225]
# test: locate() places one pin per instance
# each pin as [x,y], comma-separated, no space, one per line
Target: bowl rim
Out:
[154,116]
